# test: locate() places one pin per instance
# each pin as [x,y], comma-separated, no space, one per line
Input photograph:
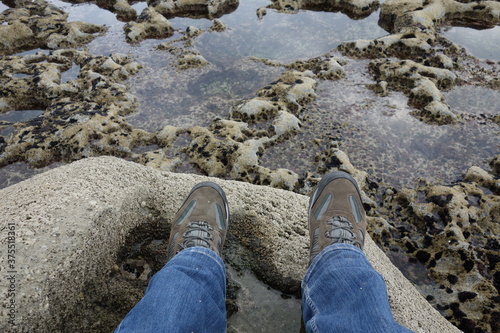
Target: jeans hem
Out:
[204,251]
[324,252]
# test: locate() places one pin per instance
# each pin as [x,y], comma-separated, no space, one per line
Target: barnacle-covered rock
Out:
[83,117]
[194,8]
[454,232]
[355,9]
[421,84]
[150,24]
[39,24]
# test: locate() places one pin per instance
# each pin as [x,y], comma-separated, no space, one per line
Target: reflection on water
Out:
[140,6]
[86,12]
[483,44]
[280,36]
[473,99]
[70,74]
[262,309]
[16,172]
[20,115]
[381,137]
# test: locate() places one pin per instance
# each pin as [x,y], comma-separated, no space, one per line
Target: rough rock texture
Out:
[454,232]
[69,237]
[355,9]
[81,115]
[420,83]
[413,27]
[39,24]
[194,8]
[150,24]
[85,116]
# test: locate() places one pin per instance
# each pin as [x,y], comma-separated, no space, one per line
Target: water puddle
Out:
[3,7]
[389,143]
[86,12]
[483,44]
[20,75]
[140,6]
[70,74]
[20,115]
[474,100]
[280,36]
[381,137]
[262,309]
[17,172]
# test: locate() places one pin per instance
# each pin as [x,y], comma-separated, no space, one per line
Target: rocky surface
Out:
[150,24]
[356,9]
[443,236]
[453,231]
[82,115]
[198,8]
[39,24]
[413,27]
[81,252]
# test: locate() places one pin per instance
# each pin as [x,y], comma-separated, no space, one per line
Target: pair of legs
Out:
[341,292]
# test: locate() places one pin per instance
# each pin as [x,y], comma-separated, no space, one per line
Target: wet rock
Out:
[483,178]
[261,12]
[495,164]
[158,159]
[83,116]
[454,232]
[421,84]
[352,8]
[410,44]
[286,123]
[218,26]
[150,24]
[397,14]
[325,68]
[256,109]
[193,31]
[39,24]
[124,10]
[191,60]
[167,135]
[195,9]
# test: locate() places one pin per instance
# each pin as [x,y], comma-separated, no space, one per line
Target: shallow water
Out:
[378,133]
[196,96]
[381,137]
[483,44]
[263,309]
[20,115]
[86,12]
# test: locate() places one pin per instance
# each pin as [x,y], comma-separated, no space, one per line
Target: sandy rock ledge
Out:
[71,223]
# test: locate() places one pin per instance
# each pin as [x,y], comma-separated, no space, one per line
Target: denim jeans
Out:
[341,292]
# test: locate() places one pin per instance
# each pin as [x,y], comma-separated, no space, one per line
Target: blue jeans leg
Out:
[341,292]
[186,295]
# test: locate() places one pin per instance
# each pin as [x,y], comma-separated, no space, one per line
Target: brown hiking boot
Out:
[336,213]
[202,220]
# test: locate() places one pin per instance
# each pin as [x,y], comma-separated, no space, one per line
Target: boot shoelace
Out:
[342,231]
[197,234]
